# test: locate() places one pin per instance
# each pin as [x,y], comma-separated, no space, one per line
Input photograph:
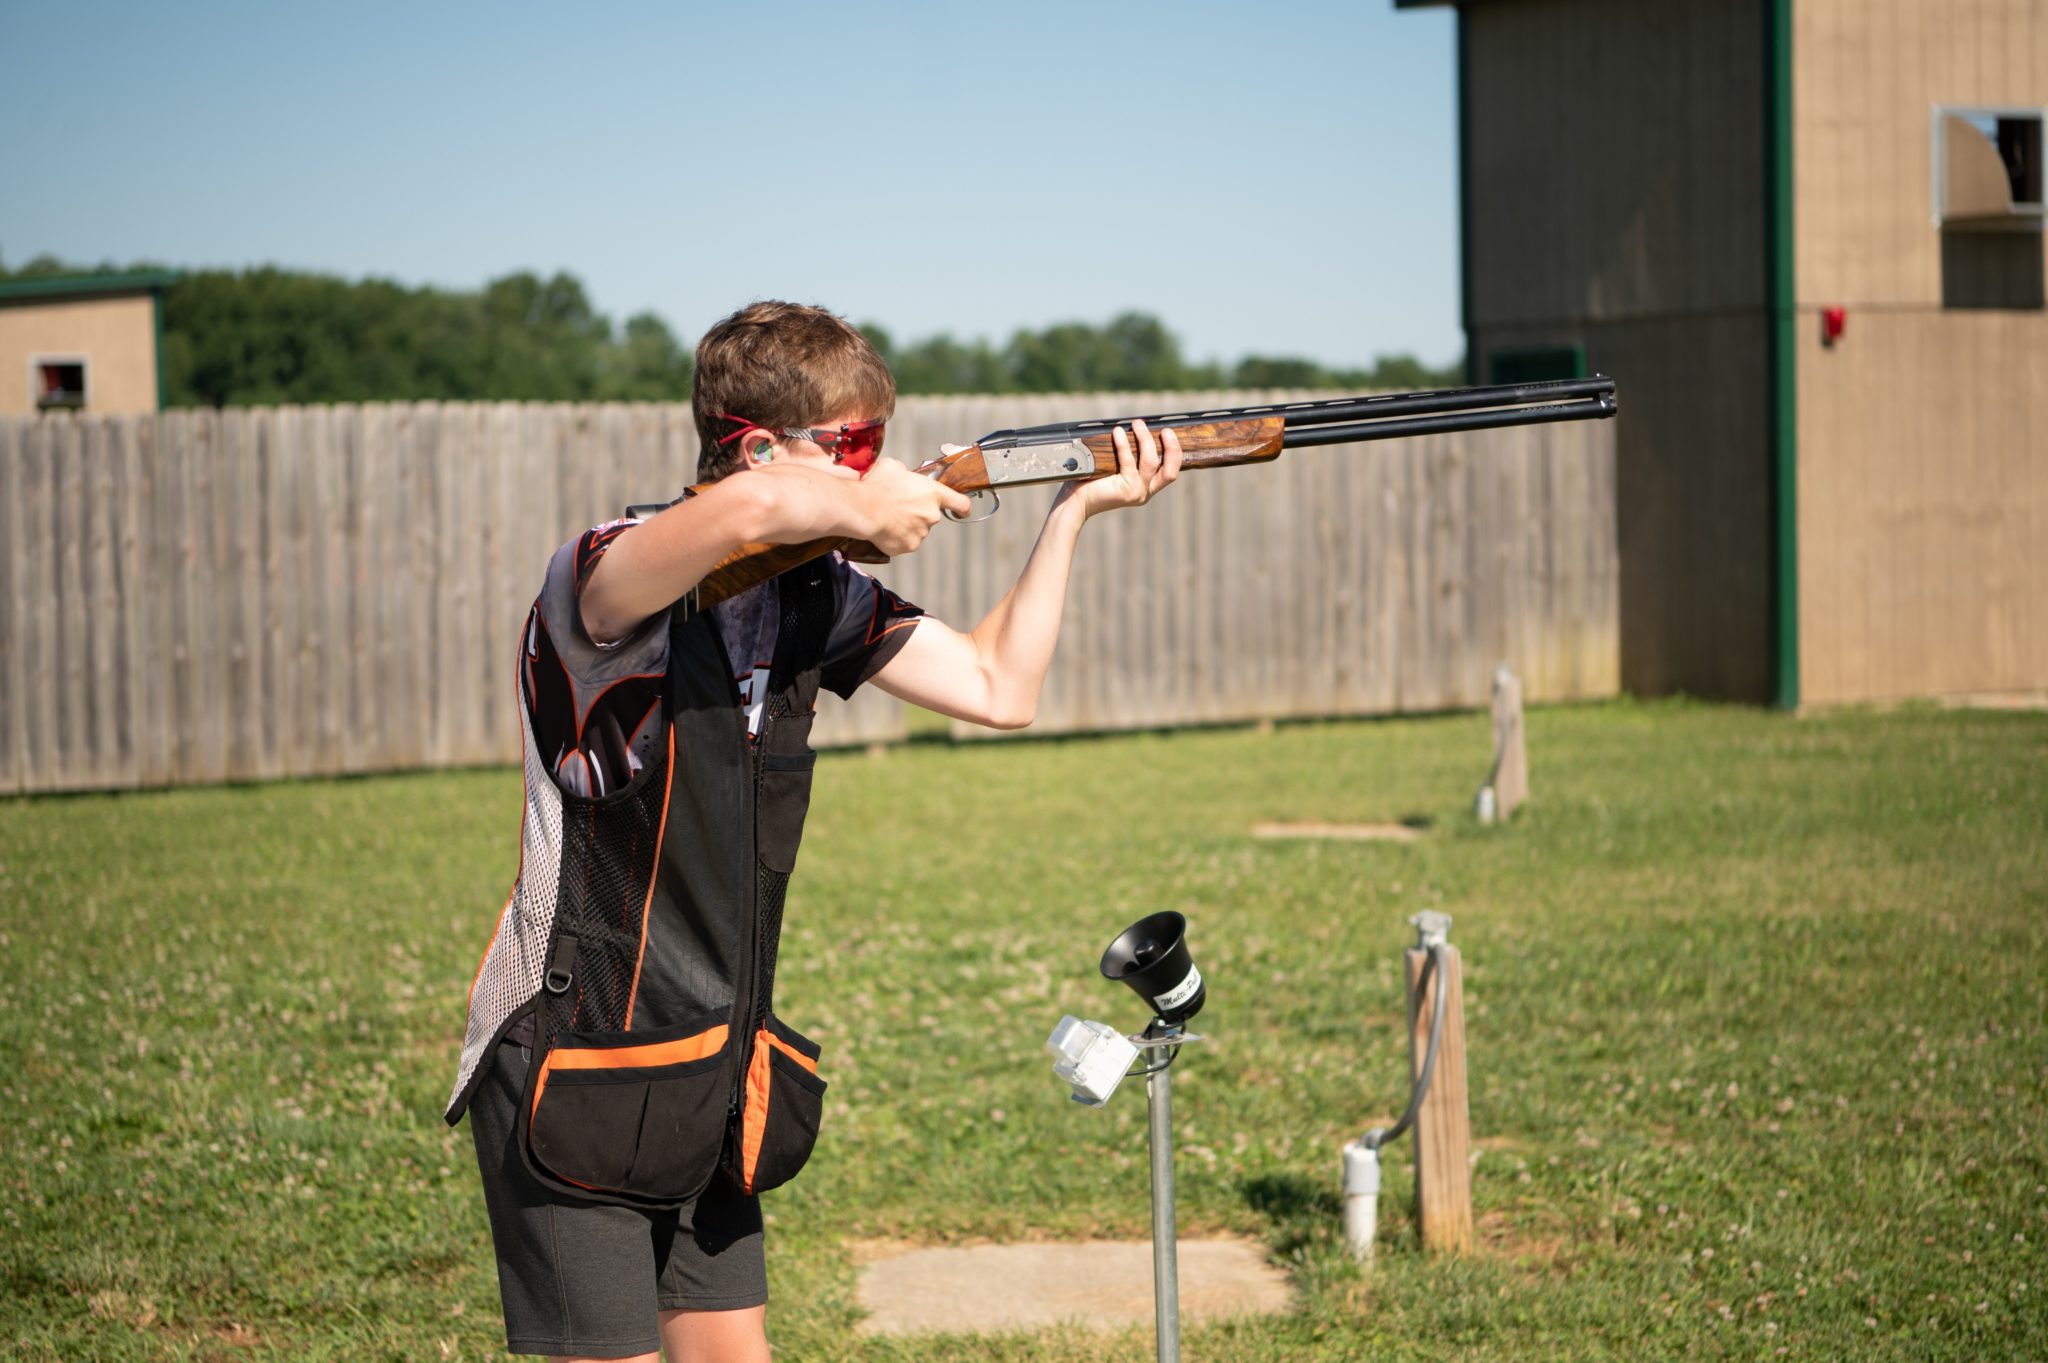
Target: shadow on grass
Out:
[1297,1211]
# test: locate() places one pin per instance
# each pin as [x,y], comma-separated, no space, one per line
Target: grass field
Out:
[1756,1012]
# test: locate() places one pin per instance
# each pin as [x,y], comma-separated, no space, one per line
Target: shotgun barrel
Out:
[1333,421]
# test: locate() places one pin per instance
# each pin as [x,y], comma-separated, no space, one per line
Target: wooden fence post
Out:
[1443,1135]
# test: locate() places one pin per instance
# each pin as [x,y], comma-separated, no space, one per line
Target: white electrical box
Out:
[1093,1058]
[1987,168]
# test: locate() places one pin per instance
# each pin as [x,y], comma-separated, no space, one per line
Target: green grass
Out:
[1755,1007]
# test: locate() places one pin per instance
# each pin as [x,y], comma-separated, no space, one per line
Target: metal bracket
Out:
[1147,1041]
[1432,929]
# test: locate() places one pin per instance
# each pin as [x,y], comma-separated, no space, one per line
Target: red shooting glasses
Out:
[856,445]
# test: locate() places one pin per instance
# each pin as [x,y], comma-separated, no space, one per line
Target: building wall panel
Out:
[1923,507]
[1616,158]
[1923,468]
[1867,74]
[117,335]
[1616,184]
[1691,498]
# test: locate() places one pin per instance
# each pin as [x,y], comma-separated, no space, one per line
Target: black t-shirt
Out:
[596,710]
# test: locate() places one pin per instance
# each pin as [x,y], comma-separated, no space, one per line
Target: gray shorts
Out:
[591,1278]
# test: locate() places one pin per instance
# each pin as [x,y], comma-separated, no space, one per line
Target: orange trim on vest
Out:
[649,1056]
[668,786]
[792,1052]
[754,1129]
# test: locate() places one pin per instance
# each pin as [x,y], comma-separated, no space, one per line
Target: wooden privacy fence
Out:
[202,596]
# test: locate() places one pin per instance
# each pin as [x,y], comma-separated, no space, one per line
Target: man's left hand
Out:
[1145,463]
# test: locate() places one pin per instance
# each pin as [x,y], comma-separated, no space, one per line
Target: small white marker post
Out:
[1508,784]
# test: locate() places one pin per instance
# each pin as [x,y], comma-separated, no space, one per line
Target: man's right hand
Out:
[896,508]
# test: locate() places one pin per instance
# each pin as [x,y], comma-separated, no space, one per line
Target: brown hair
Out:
[782,365]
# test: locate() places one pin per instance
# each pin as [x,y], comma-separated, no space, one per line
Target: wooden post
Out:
[1443,1135]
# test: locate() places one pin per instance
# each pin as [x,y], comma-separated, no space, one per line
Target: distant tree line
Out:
[267,336]
[264,336]
[1134,351]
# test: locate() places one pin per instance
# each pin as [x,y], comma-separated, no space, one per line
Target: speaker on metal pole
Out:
[1151,956]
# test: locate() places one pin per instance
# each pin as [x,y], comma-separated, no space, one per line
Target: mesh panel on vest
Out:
[609,851]
[510,973]
[770,887]
[806,624]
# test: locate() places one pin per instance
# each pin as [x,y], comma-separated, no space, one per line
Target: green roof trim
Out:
[87,286]
[1782,327]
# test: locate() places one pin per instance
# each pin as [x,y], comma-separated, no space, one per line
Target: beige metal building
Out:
[86,343]
[1806,238]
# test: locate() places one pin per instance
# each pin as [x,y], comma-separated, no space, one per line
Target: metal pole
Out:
[1165,1265]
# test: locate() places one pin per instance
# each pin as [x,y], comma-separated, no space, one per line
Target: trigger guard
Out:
[995,504]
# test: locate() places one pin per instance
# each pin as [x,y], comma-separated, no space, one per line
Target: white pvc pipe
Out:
[1361,1197]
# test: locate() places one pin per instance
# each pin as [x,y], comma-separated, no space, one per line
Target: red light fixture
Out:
[1834,320]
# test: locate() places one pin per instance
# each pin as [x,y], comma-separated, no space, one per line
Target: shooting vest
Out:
[641,937]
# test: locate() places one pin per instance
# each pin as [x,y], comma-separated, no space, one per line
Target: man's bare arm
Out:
[994,674]
[651,565]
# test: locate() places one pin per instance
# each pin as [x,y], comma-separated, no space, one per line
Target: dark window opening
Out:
[2019,146]
[60,384]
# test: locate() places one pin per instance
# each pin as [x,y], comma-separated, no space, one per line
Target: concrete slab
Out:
[990,1289]
[1351,832]
[1996,700]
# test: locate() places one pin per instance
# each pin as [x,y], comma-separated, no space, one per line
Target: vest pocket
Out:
[639,1113]
[785,1101]
[785,799]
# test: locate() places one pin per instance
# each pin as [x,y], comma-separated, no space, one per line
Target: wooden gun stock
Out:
[752,564]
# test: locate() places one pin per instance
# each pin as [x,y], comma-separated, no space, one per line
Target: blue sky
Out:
[1276,178]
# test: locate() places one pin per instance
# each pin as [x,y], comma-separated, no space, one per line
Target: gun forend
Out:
[1014,458]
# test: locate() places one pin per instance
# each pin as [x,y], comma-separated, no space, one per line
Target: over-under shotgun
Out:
[1210,438]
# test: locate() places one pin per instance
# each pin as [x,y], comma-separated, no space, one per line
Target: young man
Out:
[630,1090]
